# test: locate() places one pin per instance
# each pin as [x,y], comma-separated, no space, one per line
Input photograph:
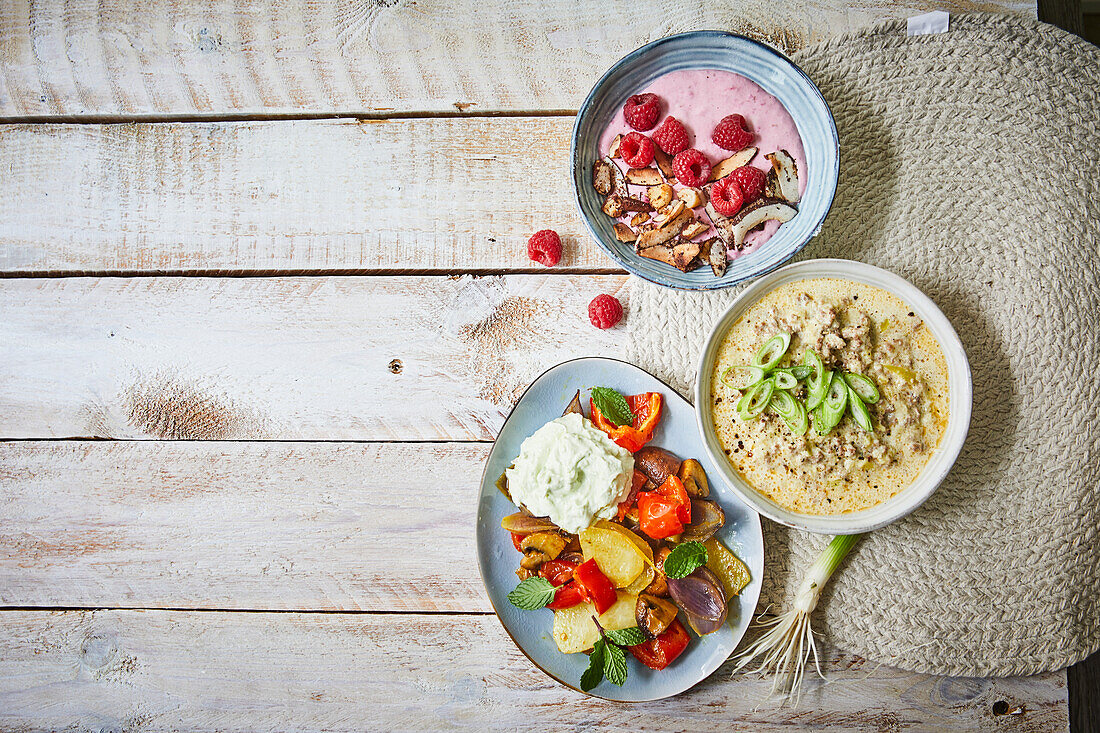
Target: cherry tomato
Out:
[662,651]
[597,588]
[558,572]
[566,596]
[658,516]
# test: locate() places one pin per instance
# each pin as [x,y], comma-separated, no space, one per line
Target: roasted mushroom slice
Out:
[623,233]
[786,174]
[694,478]
[656,463]
[540,547]
[659,586]
[644,177]
[724,167]
[654,614]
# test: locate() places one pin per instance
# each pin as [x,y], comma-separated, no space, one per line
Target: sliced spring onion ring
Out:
[863,387]
[834,406]
[860,413]
[791,410]
[753,402]
[798,372]
[772,351]
[756,375]
[784,379]
[818,380]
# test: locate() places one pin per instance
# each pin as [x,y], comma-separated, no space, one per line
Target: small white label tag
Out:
[927,24]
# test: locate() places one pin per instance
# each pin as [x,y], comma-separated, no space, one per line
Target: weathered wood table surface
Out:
[265,303]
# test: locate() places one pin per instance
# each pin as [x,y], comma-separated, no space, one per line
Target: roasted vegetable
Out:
[575,631]
[729,569]
[524,523]
[695,478]
[574,406]
[654,614]
[706,519]
[656,463]
[619,558]
[701,597]
[539,547]
[662,651]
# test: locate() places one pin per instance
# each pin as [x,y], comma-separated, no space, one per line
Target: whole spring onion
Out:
[753,402]
[786,642]
[773,350]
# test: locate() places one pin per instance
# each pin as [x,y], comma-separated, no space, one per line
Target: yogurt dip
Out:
[571,472]
[699,99]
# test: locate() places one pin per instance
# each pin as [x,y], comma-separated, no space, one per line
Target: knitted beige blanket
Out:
[970,165]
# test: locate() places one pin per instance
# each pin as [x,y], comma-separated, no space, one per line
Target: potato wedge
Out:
[575,631]
[733,573]
[616,555]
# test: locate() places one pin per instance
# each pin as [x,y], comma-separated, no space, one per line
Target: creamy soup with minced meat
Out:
[857,330]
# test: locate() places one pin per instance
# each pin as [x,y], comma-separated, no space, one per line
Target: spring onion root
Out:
[787,640]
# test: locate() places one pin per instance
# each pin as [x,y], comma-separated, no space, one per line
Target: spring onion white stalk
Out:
[785,646]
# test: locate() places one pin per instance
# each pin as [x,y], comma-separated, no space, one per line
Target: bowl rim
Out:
[670,281]
[958,424]
[485,580]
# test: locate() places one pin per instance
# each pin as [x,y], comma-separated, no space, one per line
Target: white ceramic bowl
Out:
[960,391]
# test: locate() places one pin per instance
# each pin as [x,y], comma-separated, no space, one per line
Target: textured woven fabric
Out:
[970,166]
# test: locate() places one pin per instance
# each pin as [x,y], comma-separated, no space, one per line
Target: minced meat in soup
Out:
[860,329]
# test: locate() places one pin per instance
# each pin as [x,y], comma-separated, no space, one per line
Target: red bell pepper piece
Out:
[660,652]
[647,413]
[673,490]
[658,516]
[595,585]
[566,596]
[516,539]
[558,572]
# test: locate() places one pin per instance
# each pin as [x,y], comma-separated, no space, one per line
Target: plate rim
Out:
[671,280]
[485,580]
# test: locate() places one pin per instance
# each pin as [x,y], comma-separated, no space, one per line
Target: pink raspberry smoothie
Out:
[699,99]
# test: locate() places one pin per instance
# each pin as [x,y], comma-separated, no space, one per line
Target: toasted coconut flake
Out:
[669,212]
[665,232]
[664,163]
[644,177]
[693,230]
[684,253]
[660,196]
[660,252]
[613,206]
[624,233]
[753,216]
[613,151]
[633,204]
[771,186]
[732,163]
[692,197]
[786,173]
[638,219]
[602,179]
[716,256]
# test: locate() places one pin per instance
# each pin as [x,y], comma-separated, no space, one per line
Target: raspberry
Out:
[636,150]
[751,182]
[691,167]
[671,136]
[605,311]
[731,133]
[641,110]
[545,247]
[726,197]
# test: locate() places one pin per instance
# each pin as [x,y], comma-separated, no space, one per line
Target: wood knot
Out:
[1003,708]
[396,367]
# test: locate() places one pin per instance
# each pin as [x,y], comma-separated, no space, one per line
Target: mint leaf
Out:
[531,594]
[594,674]
[626,637]
[684,559]
[614,664]
[612,406]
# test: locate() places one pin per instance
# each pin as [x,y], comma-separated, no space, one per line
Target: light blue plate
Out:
[543,401]
[727,52]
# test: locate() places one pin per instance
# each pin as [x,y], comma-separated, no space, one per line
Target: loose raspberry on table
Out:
[726,196]
[731,133]
[641,111]
[636,150]
[671,136]
[751,182]
[544,247]
[605,311]
[691,167]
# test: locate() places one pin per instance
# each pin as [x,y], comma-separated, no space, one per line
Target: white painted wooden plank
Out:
[247,56]
[333,358]
[170,670]
[240,525]
[429,194]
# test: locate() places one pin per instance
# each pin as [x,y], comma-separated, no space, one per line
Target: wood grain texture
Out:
[367,56]
[170,670]
[336,358]
[431,194]
[241,525]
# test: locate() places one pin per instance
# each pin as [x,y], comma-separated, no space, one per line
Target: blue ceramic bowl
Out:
[727,52]
[543,401]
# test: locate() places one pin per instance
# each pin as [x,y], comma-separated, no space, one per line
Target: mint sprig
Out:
[612,405]
[594,674]
[532,594]
[614,665]
[684,559]
[626,637]
[608,660]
